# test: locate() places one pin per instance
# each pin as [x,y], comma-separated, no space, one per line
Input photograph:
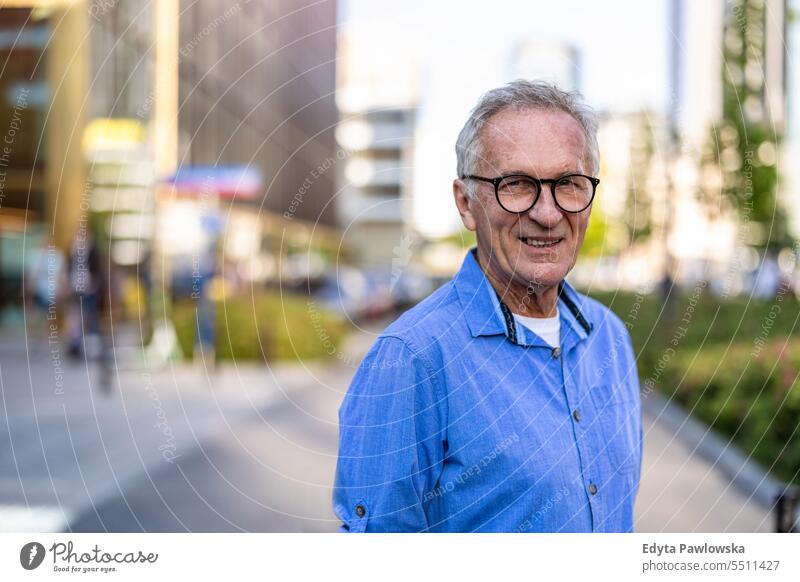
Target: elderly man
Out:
[506,401]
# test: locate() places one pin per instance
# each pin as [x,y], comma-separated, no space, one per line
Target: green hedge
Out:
[272,326]
[733,363]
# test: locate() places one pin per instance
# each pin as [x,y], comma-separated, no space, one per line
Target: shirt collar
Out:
[486,315]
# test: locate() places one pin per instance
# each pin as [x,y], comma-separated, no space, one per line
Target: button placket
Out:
[580,434]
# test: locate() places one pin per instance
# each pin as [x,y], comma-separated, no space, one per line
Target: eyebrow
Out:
[524,173]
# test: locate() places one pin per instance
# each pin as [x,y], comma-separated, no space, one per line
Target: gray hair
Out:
[520,95]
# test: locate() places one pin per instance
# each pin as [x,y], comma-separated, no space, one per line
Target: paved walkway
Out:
[682,492]
[66,447]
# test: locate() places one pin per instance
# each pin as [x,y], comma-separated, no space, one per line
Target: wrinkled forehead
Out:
[533,141]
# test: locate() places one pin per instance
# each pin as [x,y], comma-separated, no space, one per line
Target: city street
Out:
[270,472]
[245,448]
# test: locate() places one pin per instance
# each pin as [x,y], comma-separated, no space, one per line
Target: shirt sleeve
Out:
[391,441]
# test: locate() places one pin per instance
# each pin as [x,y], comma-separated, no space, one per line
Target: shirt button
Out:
[360,511]
[556,352]
[576,414]
[592,488]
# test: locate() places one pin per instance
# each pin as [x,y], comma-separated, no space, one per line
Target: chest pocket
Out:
[615,423]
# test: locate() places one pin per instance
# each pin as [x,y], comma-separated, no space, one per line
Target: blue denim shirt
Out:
[458,420]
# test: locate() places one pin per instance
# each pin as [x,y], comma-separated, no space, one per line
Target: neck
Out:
[527,301]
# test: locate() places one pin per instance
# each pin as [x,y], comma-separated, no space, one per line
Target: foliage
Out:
[463,238]
[734,363]
[595,242]
[270,326]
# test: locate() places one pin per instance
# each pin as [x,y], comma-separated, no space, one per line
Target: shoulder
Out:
[605,323]
[597,313]
[424,325]
[404,362]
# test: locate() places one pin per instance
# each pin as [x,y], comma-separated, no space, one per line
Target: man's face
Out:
[539,246]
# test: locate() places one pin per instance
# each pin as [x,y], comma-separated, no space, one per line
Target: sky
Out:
[464,49]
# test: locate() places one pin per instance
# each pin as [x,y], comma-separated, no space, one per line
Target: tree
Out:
[742,152]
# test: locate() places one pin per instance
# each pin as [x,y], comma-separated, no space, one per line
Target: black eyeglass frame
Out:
[538,181]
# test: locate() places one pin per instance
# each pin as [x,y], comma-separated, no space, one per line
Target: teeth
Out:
[539,243]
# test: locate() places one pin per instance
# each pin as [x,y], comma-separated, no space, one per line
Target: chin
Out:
[540,273]
[553,273]
[542,277]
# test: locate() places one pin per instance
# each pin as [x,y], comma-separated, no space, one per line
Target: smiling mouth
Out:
[540,243]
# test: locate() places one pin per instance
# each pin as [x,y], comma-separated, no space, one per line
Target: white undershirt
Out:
[547,328]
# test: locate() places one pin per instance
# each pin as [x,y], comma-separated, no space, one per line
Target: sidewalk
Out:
[682,492]
[66,448]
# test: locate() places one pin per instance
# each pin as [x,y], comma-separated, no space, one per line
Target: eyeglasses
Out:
[518,193]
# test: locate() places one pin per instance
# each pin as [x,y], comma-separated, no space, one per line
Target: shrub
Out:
[735,365]
[270,326]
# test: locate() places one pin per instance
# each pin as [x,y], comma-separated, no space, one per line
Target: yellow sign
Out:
[109,134]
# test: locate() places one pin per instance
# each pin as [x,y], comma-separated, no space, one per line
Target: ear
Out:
[463,202]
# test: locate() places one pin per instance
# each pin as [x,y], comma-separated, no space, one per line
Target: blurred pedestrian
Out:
[206,310]
[44,288]
[86,285]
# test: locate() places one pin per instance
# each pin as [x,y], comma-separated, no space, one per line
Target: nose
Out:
[545,212]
